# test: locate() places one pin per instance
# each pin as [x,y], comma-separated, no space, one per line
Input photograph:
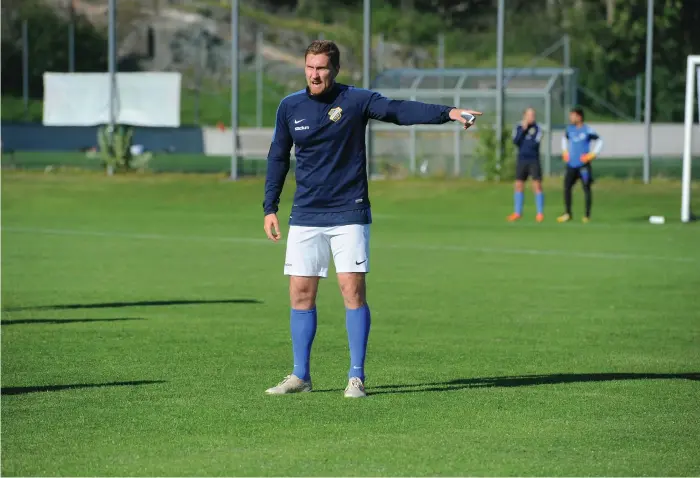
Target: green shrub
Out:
[486,152]
[115,149]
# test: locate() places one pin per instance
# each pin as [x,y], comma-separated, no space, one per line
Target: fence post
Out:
[235,60]
[457,167]
[441,58]
[638,99]
[112,66]
[412,147]
[201,49]
[259,77]
[550,133]
[500,98]
[566,46]
[71,45]
[380,53]
[25,68]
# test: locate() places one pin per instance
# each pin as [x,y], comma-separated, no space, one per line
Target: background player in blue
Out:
[331,211]
[577,153]
[527,137]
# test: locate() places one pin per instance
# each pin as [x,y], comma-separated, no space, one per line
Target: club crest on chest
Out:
[335,113]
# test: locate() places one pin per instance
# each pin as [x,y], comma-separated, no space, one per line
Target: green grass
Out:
[496,349]
[624,168]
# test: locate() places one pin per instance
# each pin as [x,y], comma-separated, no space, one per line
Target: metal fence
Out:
[194,38]
[447,149]
[201,57]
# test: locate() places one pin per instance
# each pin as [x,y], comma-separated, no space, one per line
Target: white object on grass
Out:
[657,219]
[424,167]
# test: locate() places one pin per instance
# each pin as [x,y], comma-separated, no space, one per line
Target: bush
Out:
[487,152]
[115,149]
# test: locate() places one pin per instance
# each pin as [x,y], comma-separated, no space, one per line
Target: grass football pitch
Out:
[144,316]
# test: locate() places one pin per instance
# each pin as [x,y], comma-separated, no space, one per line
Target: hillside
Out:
[193,37]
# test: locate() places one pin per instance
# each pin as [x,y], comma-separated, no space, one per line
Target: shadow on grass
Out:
[58,388]
[523,381]
[143,303]
[62,321]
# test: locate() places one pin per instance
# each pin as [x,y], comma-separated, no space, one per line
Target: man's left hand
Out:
[456,115]
[587,158]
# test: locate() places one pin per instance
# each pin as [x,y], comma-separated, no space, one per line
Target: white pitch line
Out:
[419,247]
[132,235]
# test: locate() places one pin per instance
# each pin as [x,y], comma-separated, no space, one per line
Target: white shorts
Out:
[309,249]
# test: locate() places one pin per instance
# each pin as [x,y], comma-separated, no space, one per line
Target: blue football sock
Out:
[519,198]
[303,326]
[539,200]
[358,323]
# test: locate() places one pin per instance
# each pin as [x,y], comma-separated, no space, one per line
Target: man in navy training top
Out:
[331,211]
[577,154]
[527,137]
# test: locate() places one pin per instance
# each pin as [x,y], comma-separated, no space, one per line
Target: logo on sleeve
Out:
[335,113]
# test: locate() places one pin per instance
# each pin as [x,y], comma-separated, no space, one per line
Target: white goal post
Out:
[692,86]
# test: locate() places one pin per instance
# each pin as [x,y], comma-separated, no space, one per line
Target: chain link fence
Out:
[193,38]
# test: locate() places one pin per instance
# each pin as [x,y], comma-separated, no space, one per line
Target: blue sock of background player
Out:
[357,322]
[303,326]
[519,197]
[539,201]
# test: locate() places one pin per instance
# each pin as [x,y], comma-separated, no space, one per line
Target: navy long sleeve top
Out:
[328,133]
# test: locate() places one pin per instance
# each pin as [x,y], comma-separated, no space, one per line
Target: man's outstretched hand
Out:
[272,227]
[456,115]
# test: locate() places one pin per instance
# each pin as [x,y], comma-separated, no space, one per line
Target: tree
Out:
[48,45]
[612,56]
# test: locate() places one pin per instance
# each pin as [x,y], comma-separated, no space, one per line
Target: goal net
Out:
[692,87]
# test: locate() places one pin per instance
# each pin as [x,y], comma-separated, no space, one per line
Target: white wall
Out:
[254,142]
[622,140]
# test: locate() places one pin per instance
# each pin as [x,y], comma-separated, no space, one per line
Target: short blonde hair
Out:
[327,47]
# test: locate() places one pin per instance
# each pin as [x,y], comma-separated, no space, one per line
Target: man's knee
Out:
[537,186]
[353,288]
[302,292]
[519,186]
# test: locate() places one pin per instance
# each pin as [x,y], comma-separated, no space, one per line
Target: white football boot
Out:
[290,384]
[355,388]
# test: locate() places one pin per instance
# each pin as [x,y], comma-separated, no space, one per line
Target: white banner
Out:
[141,99]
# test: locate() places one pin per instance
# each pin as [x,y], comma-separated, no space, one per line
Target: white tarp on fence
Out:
[141,99]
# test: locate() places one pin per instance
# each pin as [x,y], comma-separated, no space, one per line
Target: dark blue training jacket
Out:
[329,134]
[528,142]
